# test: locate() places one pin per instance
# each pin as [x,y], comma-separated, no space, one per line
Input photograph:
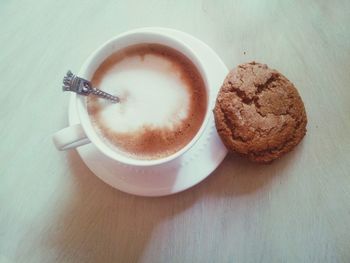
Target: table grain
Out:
[53,209]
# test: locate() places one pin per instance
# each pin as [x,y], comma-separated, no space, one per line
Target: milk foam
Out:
[152,92]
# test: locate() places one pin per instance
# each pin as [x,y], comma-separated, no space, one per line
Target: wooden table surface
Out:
[53,209]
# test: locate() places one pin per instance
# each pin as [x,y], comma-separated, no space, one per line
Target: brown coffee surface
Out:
[150,141]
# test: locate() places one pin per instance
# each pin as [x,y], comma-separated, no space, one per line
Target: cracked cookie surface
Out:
[259,113]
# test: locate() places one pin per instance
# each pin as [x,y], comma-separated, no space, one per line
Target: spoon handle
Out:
[72,82]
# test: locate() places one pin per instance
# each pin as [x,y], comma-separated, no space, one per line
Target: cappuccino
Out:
[163,101]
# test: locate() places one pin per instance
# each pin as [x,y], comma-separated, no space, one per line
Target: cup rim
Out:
[81,100]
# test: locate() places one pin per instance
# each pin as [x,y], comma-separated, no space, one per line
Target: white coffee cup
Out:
[83,133]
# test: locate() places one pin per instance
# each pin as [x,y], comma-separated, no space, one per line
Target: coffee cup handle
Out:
[70,137]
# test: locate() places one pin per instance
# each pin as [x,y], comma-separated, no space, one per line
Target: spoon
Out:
[72,82]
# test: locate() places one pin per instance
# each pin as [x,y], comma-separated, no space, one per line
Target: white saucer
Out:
[180,174]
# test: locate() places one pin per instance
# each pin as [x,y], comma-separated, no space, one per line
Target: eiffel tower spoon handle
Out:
[72,82]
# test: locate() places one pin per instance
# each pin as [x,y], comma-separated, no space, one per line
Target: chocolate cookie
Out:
[259,113]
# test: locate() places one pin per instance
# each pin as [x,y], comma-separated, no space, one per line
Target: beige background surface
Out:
[53,209]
